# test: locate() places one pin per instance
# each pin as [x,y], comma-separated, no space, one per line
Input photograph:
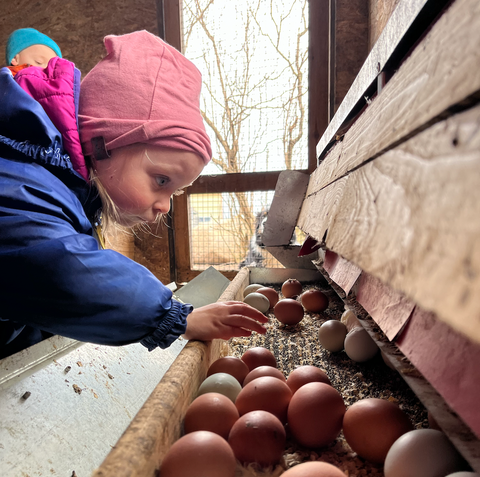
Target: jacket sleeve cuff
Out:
[170,328]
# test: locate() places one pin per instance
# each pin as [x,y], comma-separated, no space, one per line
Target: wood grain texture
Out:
[379,14]
[410,218]
[440,73]
[399,24]
[79,27]
[151,250]
[140,450]
[350,48]
[158,424]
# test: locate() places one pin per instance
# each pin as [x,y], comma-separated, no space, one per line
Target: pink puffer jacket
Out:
[57,89]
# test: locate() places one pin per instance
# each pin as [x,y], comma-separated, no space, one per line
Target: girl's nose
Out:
[162,205]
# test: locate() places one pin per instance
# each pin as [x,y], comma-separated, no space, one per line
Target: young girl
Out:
[140,139]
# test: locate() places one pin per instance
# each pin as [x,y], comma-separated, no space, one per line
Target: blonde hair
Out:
[112,217]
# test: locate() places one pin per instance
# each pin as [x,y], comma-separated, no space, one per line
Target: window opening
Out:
[253,56]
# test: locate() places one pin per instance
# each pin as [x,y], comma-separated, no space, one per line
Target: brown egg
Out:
[258,436]
[291,288]
[314,469]
[288,311]
[265,394]
[230,365]
[212,412]
[369,418]
[315,415]
[199,453]
[314,300]
[271,294]
[372,425]
[306,374]
[258,356]
[264,371]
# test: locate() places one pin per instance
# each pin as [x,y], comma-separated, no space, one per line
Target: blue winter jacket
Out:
[54,277]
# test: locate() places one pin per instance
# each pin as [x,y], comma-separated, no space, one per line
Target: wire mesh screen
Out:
[226,236]
[253,57]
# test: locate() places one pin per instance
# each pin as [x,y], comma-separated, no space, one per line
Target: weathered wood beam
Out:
[403,29]
[440,74]
[411,218]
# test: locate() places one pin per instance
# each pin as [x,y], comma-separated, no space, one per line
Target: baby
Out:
[28,47]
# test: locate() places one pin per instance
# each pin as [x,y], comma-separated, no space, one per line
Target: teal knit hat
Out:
[25,37]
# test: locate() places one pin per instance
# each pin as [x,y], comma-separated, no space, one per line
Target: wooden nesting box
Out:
[158,424]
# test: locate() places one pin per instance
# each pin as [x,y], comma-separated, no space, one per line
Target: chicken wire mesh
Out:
[253,57]
[226,230]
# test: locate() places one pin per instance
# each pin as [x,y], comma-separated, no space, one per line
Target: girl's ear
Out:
[14,61]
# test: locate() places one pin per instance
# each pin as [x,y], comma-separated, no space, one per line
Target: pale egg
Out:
[258,301]
[222,383]
[251,288]
[332,335]
[359,346]
[423,452]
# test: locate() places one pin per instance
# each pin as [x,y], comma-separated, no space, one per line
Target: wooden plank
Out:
[140,450]
[344,273]
[450,362]
[398,25]
[350,48]
[389,308]
[439,74]
[317,76]
[237,182]
[158,424]
[379,13]
[410,218]
[173,13]
[182,239]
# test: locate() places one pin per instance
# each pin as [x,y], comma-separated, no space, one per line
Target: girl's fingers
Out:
[237,307]
[241,321]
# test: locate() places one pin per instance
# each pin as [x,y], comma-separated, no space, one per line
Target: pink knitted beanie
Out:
[143,91]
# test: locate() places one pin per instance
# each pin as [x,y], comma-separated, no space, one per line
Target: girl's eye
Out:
[161,180]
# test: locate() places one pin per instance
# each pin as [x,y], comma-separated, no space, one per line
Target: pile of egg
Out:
[334,335]
[246,408]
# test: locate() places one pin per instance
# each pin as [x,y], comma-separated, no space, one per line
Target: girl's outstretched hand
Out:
[224,320]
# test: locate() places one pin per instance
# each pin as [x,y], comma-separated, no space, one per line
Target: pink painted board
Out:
[448,360]
[341,271]
[389,309]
